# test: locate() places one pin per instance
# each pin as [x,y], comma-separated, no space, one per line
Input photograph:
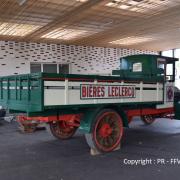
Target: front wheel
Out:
[107,131]
[62,130]
[148,119]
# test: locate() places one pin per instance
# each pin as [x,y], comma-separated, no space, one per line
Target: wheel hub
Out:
[105,130]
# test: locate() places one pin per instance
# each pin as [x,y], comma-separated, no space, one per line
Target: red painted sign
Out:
[92,91]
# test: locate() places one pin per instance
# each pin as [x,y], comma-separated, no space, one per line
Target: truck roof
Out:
[141,56]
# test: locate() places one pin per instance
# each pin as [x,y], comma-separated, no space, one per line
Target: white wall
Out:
[15,57]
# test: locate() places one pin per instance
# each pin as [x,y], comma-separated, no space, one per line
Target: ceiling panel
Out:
[141,24]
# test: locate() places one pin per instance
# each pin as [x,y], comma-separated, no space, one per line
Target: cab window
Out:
[167,69]
[137,67]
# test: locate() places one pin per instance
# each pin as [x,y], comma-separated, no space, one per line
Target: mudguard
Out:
[90,114]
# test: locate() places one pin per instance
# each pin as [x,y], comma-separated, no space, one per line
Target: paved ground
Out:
[38,156]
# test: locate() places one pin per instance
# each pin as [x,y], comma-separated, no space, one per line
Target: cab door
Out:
[169,78]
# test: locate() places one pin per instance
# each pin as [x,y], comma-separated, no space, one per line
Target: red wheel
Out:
[62,130]
[107,131]
[148,119]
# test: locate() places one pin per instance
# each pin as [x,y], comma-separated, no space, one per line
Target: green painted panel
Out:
[22,93]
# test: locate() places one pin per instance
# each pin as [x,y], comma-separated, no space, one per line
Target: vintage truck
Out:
[100,106]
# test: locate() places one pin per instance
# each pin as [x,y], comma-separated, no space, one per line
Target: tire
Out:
[148,119]
[107,131]
[61,130]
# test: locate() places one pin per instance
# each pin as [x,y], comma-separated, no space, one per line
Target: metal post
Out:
[66,91]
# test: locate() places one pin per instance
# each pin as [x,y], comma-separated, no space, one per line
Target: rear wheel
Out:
[148,119]
[62,130]
[107,131]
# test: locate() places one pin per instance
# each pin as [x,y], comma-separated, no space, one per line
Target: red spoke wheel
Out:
[148,119]
[62,130]
[107,131]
